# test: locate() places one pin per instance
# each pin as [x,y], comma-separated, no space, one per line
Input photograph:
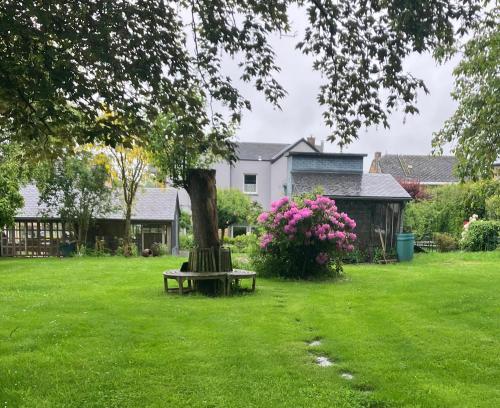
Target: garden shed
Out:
[375,201]
[38,233]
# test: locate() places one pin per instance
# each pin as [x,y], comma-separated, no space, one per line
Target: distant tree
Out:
[474,128]
[10,179]
[233,207]
[185,221]
[75,189]
[184,153]
[130,166]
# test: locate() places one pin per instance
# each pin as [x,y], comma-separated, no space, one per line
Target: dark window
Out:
[250,183]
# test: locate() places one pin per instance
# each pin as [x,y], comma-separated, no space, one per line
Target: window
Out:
[239,230]
[250,183]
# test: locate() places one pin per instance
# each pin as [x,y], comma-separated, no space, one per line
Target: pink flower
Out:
[265,240]
[262,218]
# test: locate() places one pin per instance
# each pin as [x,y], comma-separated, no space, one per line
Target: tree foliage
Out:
[129,167]
[75,190]
[474,128]
[233,207]
[10,177]
[61,62]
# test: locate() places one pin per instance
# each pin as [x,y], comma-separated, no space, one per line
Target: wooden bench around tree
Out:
[191,277]
[225,278]
[238,274]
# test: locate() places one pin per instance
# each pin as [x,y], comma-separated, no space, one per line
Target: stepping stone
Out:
[347,376]
[323,361]
[314,343]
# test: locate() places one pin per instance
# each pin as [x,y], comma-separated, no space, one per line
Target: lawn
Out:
[99,332]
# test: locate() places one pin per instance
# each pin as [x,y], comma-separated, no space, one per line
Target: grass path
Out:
[98,332]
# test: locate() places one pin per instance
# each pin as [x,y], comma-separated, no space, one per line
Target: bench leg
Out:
[165,284]
[224,286]
[180,281]
[253,284]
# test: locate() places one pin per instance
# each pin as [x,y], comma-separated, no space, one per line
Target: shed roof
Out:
[152,204]
[426,169]
[361,186]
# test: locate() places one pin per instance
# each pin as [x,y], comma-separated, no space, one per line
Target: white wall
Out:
[263,170]
[279,171]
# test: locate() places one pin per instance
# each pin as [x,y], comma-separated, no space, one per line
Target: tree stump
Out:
[209,260]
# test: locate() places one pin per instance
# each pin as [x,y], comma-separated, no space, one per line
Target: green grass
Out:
[98,332]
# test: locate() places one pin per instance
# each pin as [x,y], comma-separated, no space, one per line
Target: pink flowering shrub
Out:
[304,238]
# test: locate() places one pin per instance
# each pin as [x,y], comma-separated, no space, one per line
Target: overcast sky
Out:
[301,115]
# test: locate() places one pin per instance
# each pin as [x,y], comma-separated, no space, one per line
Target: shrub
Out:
[159,249]
[449,206]
[493,207]
[304,239]
[481,236]
[445,242]
[134,251]
[243,243]
[354,257]
[186,241]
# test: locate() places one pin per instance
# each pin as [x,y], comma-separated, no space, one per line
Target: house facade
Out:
[36,233]
[267,172]
[427,170]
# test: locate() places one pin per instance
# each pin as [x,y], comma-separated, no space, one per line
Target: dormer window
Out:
[250,183]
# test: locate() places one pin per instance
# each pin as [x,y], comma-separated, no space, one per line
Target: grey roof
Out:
[266,151]
[253,150]
[363,186]
[152,204]
[426,169]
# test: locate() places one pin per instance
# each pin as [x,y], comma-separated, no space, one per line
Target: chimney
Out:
[311,140]
[375,168]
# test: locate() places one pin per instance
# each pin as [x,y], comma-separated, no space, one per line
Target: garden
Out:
[100,332]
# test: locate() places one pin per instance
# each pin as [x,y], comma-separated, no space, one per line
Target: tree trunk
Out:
[203,194]
[127,250]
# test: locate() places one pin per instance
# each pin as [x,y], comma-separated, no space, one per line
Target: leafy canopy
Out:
[75,189]
[61,62]
[10,177]
[233,206]
[474,128]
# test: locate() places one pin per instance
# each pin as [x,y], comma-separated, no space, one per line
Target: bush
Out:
[303,239]
[493,207]
[159,249]
[186,241]
[445,242]
[354,257]
[243,243]
[481,236]
[134,251]
[449,206]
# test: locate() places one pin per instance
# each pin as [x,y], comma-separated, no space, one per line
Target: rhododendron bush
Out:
[304,238]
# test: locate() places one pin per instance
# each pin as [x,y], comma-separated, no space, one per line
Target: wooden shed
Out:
[375,201]
[35,233]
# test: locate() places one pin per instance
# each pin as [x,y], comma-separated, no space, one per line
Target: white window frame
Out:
[244,185]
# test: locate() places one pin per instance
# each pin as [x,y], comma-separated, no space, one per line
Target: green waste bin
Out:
[404,246]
